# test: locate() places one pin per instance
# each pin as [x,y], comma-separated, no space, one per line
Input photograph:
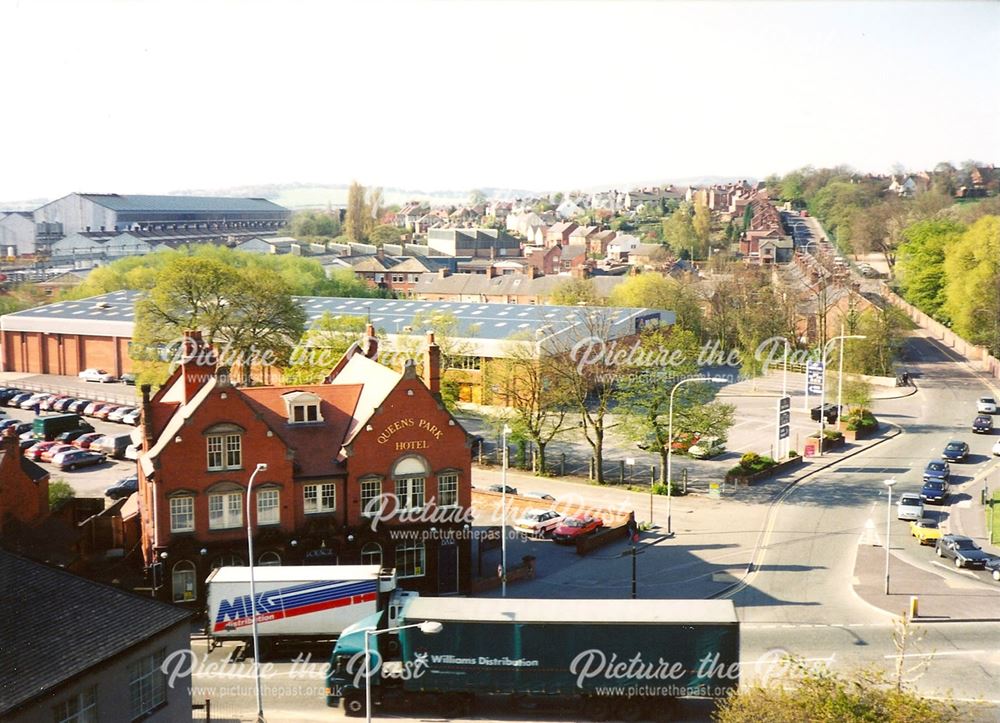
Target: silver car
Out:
[909,507]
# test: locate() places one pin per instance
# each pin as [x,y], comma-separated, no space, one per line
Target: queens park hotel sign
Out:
[386,435]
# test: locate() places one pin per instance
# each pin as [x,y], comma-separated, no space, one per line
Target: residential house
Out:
[599,242]
[478,242]
[548,260]
[568,209]
[574,256]
[559,233]
[619,249]
[583,235]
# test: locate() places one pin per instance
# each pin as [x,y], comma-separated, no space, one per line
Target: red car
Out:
[103,412]
[34,452]
[577,526]
[49,452]
[83,442]
[49,404]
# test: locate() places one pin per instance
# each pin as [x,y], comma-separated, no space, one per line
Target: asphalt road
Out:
[801,599]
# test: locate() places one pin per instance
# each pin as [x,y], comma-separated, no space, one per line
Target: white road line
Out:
[967,573]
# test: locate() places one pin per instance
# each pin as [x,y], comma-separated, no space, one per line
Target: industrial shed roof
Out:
[117,202]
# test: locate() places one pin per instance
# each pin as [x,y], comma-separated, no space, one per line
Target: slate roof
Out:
[121,203]
[57,625]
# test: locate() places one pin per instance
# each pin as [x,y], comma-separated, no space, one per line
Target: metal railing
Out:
[77,392]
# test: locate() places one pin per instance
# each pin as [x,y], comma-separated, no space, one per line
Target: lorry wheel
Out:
[354,704]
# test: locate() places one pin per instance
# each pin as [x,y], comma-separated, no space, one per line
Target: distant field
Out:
[322,196]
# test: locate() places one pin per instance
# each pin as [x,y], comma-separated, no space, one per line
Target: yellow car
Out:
[925,530]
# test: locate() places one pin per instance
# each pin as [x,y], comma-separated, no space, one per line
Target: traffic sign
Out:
[784,419]
[785,403]
[783,432]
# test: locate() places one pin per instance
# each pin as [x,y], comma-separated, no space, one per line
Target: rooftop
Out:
[117,202]
[57,625]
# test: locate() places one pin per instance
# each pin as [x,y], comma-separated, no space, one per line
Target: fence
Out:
[77,392]
[987,363]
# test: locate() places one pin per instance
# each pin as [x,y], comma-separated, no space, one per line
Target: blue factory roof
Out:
[124,204]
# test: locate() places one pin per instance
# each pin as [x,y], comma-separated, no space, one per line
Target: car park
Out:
[113,445]
[104,411]
[71,436]
[26,444]
[63,404]
[93,408]
[935,490]
[47,404]
[132,417]
[575,527]
[118,414]
[500,488]
[123,488]
[35,400]
[955,451]
[986,405]
[538,523]
[81,458]
[7,392]
[15,399]
[96,375]
[34,452]
[963,550]
[983,424]
[78,406]
[937,469]
[128,378]
[830,412]
[707,447]
[909,507]
[926,530]
[8,423]
[85,440]
[22,428]
[48,454]
[132,452]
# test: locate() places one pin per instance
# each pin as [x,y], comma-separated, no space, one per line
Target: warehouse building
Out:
[69,336]
[98,217]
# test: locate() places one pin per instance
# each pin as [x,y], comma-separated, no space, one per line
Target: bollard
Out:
[913,607]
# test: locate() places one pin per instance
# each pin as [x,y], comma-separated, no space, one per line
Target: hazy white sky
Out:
[148,97]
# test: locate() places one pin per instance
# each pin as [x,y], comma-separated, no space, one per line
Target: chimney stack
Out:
[432,365]
[197,363]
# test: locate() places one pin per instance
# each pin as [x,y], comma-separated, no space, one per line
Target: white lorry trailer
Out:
[298,602]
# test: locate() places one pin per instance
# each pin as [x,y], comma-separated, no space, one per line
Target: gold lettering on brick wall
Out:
[406,423]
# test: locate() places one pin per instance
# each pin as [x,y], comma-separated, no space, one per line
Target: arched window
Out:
[371,554]
[183,581]
[228,560]
[268,559]
[409,475]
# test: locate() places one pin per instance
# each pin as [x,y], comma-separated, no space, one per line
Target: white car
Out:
[705,448]
[909,507]
[538,523]
[996,449]
[34,400]
[96,375]
[540,496]
[986,405]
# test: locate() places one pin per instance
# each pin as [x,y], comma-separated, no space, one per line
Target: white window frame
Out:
[371,488]
[224,451]
[411,559]
[451,478]
[186,571]
[225,510]
[176,515]
[268,559]
[147,684]
[269,506]
[317,495]
[81,708]
[411,492]
[371,554]
[309,412]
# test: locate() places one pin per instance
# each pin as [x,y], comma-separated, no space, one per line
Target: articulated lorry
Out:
[298,602]
[613,658]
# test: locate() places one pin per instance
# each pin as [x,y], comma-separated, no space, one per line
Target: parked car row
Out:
[549,523]
[962,550]
[81,452]
[123,413]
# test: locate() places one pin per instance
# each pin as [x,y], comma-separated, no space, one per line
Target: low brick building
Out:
[368,468]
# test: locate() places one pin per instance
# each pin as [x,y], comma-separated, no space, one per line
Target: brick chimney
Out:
[197,363]
[491,271]
[432,365]
[442,273]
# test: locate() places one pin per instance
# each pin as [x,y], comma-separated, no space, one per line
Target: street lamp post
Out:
[428,627]
[888,521]
[822,399]
[503,513]
[253,596]
[670,441]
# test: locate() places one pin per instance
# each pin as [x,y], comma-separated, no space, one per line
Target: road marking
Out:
[960,570]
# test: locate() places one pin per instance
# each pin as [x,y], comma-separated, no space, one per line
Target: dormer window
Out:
[302,407]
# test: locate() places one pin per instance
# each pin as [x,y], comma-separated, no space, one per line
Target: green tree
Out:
[702,225]
[382,235]
[59,491]
[792,188]
[356,218]
[574,292]
[921,263]
[321,347]
[476,197]
[972,286]
[884,328]
[679,231]
[452,340]
[247,312]
[655,291]
[667,355]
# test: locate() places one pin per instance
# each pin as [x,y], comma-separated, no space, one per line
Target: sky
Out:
[152,97]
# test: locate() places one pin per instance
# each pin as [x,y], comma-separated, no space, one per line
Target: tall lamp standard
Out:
[503,513]
[428,627]
[261,467]
[822,399]
[670,440]
[888,521]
